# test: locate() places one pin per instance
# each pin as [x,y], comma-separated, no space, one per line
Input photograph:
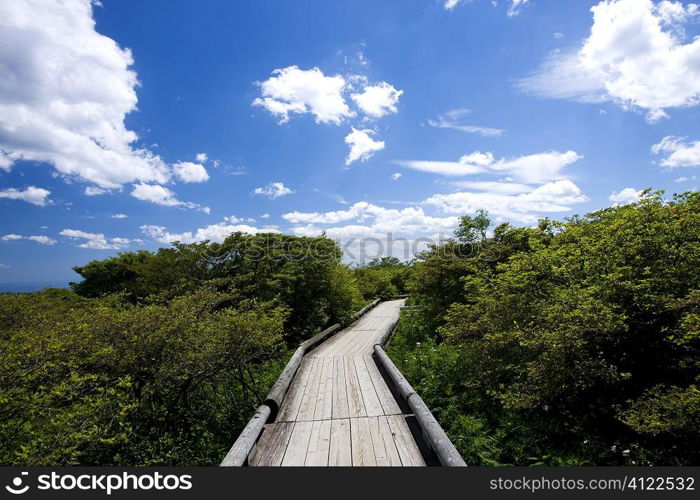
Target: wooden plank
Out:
[372,405]
[340,393]
[385,451]
[292,401]
[272,445]
[405,444]
[392,453]
[319,444]
[356,405]
[386,398]
[361,438]
[295,455]
[307,408]
[324,400]
[340,454]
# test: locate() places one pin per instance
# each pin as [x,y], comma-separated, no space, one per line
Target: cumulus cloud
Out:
[273,190]
[96,241]
[679,153]
[556,196]
[368,228]
[160,195]
[362,146]
[119,216]
[190,172]
[535,168]
[65,91]
[216,233]
[201,157]
[396,176]
[627,195]
[41,239]
[34,195]
[636,55]
[293,90]
[377,100]
[454,119]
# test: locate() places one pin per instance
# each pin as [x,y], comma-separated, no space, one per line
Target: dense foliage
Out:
[160,358]
[573,342]
[568,343]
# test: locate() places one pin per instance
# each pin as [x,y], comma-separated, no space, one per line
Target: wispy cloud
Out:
[454,119]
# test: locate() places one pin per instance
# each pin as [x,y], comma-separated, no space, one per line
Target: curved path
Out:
[339,411]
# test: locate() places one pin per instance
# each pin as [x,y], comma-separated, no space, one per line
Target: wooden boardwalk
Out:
[339,411]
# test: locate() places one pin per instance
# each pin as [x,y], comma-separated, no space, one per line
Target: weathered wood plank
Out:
[340,454]
[308,402]
[324,400]
[356,405]
[386,398]
[405,444]
[340,393]
[385,451]
[392,453]
[319,444]
[361,437]
[372,405]
[272,445]
[295,454]
[292,401]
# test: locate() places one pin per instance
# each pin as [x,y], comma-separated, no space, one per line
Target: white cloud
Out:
[454,119]
[396,176]
[362,146]
[680,153]
[34,195]
[215,233]
[515,6]
[190,172]
[96,241]
[273,190]
[374,229]
[238,220]
[377,100]
[42,240]
[627,195]
[95,191]
[494,186]
[160,195]
[293,90]
[4,266]
[535,168]
[265,216]
[557,196]
[634,56]
[558,35]
[201,157]
[451,4]
[65,91]
[119,216]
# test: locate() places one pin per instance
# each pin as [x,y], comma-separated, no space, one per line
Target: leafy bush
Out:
[569,343]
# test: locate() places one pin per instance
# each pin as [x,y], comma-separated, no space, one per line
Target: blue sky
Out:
[184,120]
